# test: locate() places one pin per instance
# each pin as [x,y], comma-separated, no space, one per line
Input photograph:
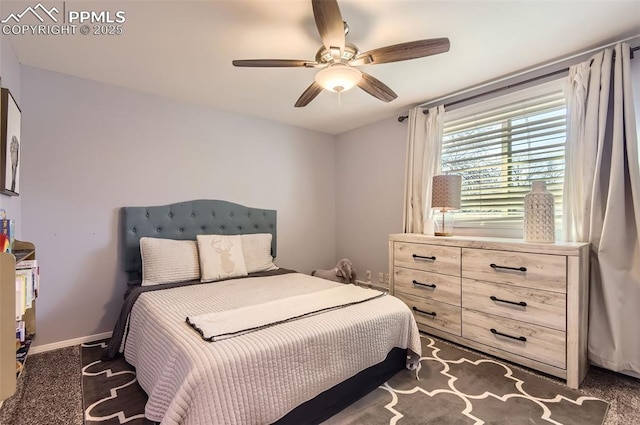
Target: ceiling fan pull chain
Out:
[339,102]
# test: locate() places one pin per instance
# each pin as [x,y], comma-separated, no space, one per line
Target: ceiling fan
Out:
[338,59]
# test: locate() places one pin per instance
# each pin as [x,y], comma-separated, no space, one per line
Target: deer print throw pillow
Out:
[220,257]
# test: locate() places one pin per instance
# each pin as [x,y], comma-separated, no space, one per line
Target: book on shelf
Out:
[21,297]
[21,331]
[4,243]
[30,267]
[27,264]
[26,290]
[29,287]
[7,229]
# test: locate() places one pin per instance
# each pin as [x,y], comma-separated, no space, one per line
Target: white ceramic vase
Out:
[539,214]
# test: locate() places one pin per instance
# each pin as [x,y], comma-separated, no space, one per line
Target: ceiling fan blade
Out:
[376,88]
[402,52]
[273,63]
[309,94]
[330,25]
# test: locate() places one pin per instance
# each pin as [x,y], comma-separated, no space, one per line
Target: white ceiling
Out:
[184,49]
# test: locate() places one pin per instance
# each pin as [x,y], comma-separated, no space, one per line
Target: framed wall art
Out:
[10,144]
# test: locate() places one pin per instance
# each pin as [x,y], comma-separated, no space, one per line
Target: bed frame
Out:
[185,220]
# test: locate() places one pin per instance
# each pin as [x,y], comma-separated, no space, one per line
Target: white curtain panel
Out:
[424,148]
[578,178]
[603,196]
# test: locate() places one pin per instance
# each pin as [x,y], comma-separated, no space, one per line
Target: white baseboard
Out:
[67,343]
[372,285]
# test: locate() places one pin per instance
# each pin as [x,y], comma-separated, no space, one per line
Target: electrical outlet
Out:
[368,275]
[386,278]
[380,277]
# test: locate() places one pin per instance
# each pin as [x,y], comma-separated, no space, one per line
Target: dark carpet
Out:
[48,391]
[456,386]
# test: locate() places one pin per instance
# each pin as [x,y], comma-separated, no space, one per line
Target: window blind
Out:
[500,151]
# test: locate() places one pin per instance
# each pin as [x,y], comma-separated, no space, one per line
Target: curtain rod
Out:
[547,75]
[496,90]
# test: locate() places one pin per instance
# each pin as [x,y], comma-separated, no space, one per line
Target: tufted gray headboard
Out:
[185,220]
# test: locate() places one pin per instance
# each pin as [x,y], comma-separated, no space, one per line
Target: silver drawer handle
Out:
[428,285]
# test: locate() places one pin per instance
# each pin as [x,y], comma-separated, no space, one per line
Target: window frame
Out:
[490,228]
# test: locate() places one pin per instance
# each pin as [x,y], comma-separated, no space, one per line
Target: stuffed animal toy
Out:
[343,272]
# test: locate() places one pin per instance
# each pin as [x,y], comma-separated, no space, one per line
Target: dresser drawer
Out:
[542,308]
[542,344]
[432,258]
[434,314]
[538,271]
[438,287]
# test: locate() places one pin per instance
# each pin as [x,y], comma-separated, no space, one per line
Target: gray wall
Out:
[369,193]
[10,73]
[92,148]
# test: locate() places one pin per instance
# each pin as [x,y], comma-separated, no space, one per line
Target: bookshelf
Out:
[10,354]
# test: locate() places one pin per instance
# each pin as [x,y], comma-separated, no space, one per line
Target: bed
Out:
[295,371]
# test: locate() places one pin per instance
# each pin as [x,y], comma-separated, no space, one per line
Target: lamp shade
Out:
[338,77]
[445,192]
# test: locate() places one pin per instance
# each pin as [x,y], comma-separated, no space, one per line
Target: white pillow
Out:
[168,261]
[257,252]
[220,257]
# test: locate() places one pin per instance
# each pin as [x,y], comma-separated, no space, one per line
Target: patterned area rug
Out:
[110,391]
[456,387]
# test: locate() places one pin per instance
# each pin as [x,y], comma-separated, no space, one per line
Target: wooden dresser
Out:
[524,302]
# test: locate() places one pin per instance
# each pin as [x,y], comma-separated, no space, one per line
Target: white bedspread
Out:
[232,323]
[258,377]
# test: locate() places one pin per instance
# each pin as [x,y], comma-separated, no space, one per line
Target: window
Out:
[499,147]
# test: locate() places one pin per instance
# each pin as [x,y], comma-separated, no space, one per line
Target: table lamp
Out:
[445,196]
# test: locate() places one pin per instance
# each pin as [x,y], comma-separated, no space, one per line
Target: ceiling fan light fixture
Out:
[338,77]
